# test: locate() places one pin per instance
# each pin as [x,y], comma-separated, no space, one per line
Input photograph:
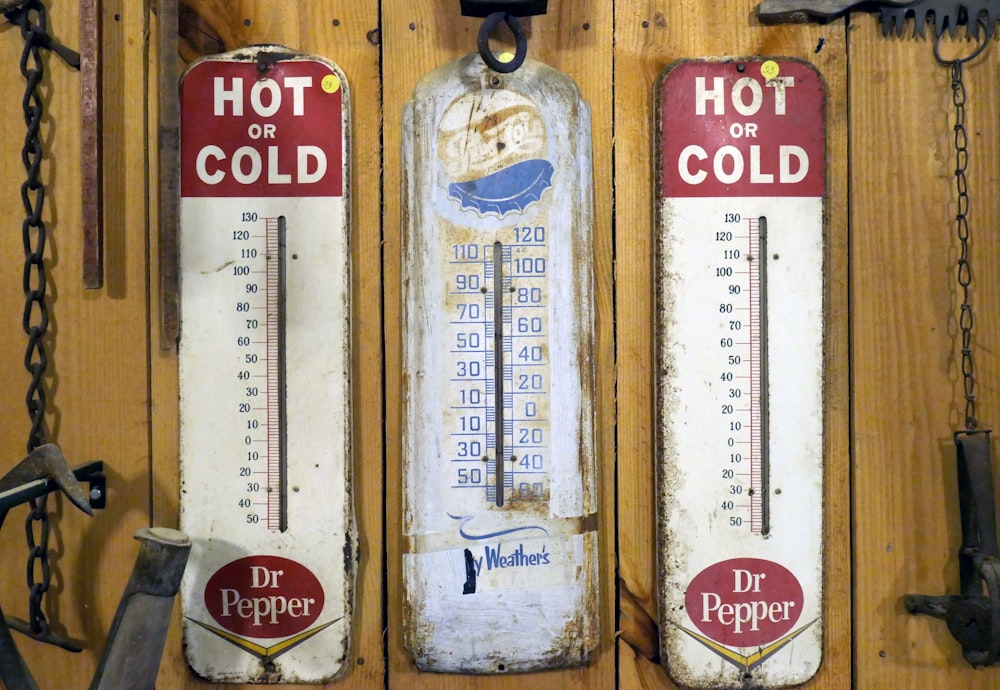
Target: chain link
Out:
[35,319]
[964,269]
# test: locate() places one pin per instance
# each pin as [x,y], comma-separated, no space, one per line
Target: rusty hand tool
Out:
[973,617]
[47,462]
[943,15]
[132,653]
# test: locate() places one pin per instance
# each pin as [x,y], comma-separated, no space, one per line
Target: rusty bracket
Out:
[44,483]
[973,617]
[942,15]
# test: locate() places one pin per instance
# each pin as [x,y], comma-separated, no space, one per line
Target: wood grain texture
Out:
[649,36]
[115,391]
[574,37]
[906,379]
[97,381]
[340,32]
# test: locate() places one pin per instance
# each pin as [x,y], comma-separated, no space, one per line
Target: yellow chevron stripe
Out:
[257,650]
[746,662]
[261,652]
[285,645]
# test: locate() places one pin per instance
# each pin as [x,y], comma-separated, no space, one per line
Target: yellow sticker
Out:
[505,57]
[330,83]
[770,69]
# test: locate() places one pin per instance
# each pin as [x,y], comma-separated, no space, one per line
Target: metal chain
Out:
[35,320]
[964,270]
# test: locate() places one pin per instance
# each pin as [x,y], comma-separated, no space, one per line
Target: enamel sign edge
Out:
[732,663]
[274,659]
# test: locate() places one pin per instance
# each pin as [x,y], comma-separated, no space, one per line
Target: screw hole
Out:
[247,22]
[501,667]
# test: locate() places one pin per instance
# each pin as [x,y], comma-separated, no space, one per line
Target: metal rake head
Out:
[942,15]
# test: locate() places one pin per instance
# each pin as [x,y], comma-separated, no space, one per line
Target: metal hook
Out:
[971,56]
[521,41]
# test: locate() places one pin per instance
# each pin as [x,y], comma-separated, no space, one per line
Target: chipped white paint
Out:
[740,372]
[500,575]
[265,364]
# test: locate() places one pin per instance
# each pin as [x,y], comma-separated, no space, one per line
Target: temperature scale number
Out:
[259,278]
[739,280]
[499,362]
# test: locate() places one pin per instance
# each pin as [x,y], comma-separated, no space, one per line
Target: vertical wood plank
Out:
[342,32]
[575,37]
[649,35]
[906,379]
[98,383]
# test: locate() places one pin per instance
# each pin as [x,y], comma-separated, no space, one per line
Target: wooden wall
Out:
[893,382]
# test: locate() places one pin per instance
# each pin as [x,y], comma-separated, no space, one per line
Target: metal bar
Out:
[91,150]
[282,378]
[765,431]
[169,165]
[498,429]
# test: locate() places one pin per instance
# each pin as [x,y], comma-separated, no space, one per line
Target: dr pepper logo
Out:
[744,602]
[264,596]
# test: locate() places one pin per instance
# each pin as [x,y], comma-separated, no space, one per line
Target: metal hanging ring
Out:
[521,41]
[972,56]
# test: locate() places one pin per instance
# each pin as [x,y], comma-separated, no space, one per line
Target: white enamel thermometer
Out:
[265,363]
[500,562]
[741,151]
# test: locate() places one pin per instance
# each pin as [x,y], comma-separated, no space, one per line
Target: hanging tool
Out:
[942,15]
[505,11]
[132,653]
[42,471]
[973,617]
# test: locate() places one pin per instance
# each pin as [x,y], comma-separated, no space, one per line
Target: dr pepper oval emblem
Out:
[264,597]
[744,602]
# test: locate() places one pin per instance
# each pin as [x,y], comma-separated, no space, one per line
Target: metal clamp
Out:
[973,617]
